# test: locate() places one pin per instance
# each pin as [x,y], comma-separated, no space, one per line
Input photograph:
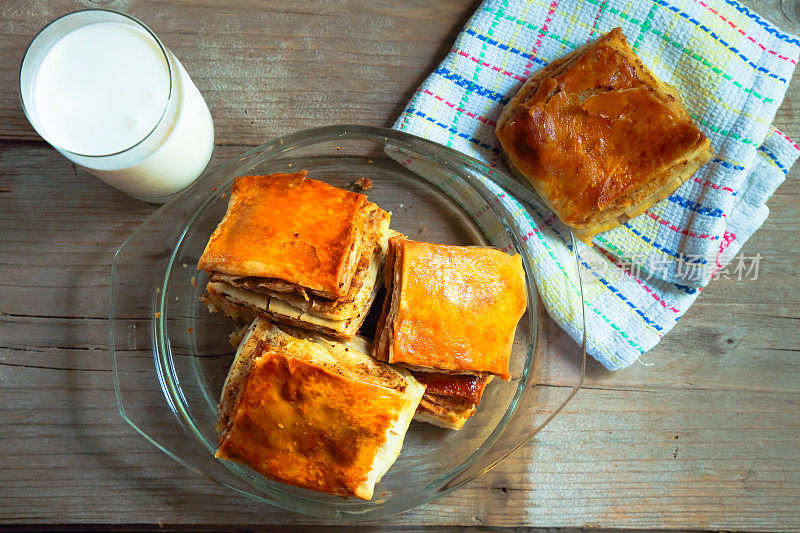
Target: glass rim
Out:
[136,22]
[353,511]
[170,384]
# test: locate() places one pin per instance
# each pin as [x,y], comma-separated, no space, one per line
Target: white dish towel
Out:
[733,69]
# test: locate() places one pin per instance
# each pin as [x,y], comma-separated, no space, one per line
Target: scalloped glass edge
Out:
[464,165]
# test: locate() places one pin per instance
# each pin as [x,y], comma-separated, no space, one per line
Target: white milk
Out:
[101,96]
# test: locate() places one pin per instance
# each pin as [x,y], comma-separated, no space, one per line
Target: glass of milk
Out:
[104,91]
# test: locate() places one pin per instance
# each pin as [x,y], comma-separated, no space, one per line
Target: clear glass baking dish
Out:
[171,356]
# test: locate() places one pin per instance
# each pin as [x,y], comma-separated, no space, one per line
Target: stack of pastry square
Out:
[450,315]
[315,413]
[600,137]
[297,251]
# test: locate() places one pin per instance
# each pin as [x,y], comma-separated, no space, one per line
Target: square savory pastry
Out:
[304,410]
[599,137]
[298,251]
[451,309]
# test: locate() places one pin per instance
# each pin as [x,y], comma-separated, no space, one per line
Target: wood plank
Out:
[607,461]
[746,365]
[68,274]
[716,459]
[359,61]
[68,278]
[707,436]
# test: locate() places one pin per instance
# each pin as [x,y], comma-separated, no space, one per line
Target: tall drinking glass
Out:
[102,89]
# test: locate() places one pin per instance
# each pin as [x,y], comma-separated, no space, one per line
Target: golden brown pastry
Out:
[298,251]
[304,410]
[451,309]
[599,137]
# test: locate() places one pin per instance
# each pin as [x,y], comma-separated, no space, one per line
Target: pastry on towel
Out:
[600,137]
[315,413]
[451,309]
[297,251]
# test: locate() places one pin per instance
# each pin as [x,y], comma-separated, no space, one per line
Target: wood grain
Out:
[729,393]
[358,61]
[707,436]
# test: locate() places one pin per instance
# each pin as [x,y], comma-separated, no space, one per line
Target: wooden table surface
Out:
[706,436]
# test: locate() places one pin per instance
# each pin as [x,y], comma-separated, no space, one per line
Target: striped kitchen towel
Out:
[733,69]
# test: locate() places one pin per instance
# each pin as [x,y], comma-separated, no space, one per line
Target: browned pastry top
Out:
[597,131]
[308,425]
[291,228]
[458,306]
